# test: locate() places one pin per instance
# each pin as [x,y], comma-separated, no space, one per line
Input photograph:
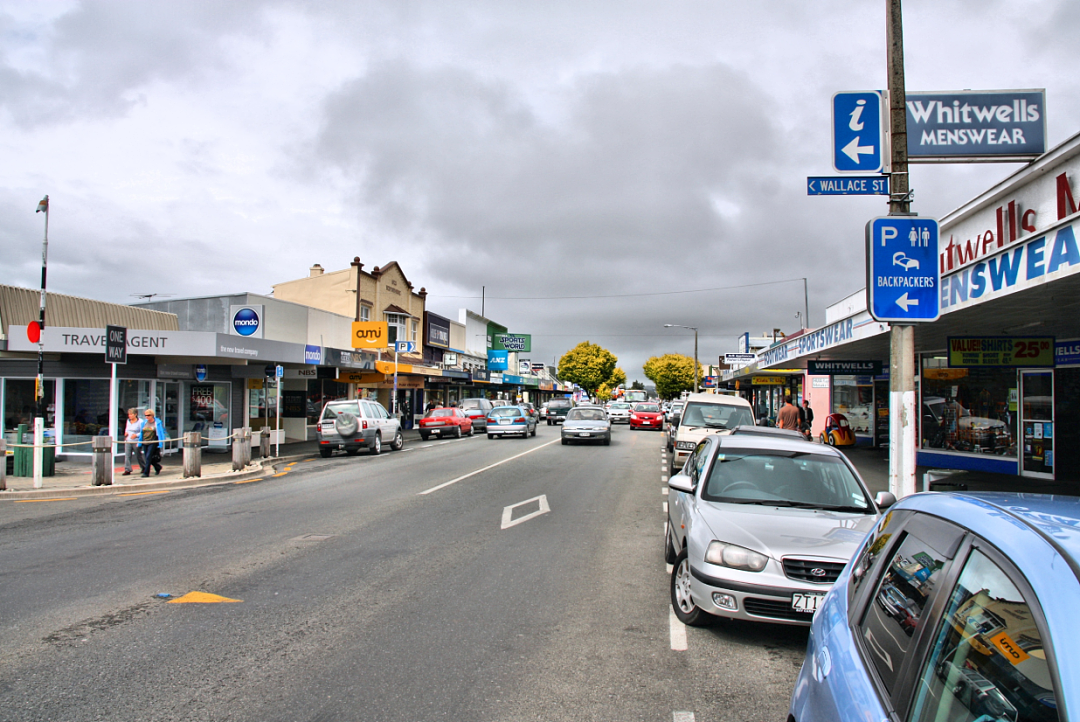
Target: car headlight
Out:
[686,445]
[736,557]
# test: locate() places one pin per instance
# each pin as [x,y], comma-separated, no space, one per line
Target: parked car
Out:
[646,416]
[357,424]
[674,409]
[510,420]
[477,410]
[706,414]
[445,422]
[769,431]
[838,431]
[586,423]
[957,606]
[759,528]
[619,412]
[528,406]
[557,410]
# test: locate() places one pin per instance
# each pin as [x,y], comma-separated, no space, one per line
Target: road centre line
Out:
[665,507]
[491,466]
[678,631]
[663,489]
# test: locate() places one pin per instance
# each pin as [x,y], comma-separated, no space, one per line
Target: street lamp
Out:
[694,329]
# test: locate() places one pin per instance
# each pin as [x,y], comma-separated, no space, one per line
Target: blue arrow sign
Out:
[874,185]
[857,132]
[902,276]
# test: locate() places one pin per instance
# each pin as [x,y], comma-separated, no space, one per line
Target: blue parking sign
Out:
[902,275]
[858,138]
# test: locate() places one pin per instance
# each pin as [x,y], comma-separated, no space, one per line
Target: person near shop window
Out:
[806,417]
[788,416]
[153,434]
[132,434]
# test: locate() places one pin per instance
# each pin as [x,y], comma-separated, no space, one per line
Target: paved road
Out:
[534,589]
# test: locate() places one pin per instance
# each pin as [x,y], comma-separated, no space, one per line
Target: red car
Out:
[445,422]
[646,416]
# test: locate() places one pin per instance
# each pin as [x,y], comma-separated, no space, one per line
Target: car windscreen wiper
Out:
[846,509]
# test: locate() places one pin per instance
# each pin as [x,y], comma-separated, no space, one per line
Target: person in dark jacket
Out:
[153,434]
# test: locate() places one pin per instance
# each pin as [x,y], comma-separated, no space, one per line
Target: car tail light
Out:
[364,425]
[520,418]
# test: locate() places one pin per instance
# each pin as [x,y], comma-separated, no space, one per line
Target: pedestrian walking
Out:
[808,416]
[153,434]
[132,434]
[788,416]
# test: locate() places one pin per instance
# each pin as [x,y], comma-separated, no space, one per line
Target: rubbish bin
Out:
[24,457]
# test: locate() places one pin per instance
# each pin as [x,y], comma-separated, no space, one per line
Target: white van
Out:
[706,414]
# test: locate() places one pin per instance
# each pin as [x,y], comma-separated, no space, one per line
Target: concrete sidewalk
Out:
[72,478]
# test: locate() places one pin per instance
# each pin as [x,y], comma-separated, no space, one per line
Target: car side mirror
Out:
[885,499]
[681,482]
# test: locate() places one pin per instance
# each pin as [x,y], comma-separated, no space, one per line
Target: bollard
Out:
[247,445]
[264,442]
[192,454]
[3,465]
[238,463]
[102,470]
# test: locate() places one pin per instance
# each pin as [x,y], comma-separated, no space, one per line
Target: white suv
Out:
[706,414]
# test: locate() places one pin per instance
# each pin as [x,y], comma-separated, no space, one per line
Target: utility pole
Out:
[902,353]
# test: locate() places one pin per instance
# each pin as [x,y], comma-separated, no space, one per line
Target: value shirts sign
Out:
[967,351]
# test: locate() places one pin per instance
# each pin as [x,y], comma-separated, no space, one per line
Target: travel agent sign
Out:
[902,276]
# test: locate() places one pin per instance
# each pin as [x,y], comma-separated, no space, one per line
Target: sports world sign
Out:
[514,341]
[976,125]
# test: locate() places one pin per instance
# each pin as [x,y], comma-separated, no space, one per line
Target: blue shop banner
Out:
[1067,353]
[976,125]
[498,360]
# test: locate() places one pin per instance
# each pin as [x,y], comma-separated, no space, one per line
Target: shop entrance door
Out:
[170,415]
[1037,423]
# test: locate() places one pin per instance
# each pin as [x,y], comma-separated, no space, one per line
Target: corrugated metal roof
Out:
[20,306]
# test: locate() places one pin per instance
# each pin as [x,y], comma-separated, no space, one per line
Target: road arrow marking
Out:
[905,303]
[853,150]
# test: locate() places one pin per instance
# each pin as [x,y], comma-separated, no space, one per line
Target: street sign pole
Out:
[902,352]
[279,373]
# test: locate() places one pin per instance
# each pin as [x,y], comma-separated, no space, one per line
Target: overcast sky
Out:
[571,157]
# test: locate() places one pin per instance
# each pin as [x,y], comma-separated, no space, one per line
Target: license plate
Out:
[584,433]
[505,422]
[806,602]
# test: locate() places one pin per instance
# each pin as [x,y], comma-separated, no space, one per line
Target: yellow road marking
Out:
[201,598]
[282,473]
[291,463]
[311,459]
[31,501]
[144,493]
[247,481]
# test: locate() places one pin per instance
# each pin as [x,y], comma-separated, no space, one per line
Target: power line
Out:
[626,295]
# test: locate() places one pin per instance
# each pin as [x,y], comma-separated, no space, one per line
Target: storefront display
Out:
[853,396]
[968,409]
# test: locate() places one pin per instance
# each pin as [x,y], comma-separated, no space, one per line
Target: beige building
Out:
[384,294]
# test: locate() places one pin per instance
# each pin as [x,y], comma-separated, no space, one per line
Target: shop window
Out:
[365,313]
[20,406]
[412,329]
[319,391]
[207,404]
[968,409]
[395,327]
[853,396]
[86,411]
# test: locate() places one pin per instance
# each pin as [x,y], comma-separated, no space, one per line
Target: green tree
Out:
[588,365]
[672,373]
[637,386]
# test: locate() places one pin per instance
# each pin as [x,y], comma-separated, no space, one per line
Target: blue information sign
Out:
[848,185]
[902,277]
[857,132]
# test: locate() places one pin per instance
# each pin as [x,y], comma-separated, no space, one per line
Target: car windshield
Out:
[437,413]
[620,406]
[647,409]
[506,411]
[470,403]
[558,404]
[585,415]
[716,416]
[781,478]
[332,411]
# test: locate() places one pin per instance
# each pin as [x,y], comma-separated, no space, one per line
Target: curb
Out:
[253,471]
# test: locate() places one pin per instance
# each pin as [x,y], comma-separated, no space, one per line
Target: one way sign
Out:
[858,140]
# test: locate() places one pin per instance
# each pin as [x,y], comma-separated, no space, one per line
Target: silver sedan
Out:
[586,423]
[759,528]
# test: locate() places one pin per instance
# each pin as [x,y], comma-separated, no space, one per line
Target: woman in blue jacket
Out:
[153,434]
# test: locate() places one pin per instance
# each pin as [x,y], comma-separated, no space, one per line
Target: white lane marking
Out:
[490,466]
[682,717]
[448,441]
[509,510]
[407,448]
[678,631]
[663,467]
[665,507]
[663,490]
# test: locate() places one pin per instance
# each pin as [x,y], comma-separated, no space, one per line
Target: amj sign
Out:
[370,334]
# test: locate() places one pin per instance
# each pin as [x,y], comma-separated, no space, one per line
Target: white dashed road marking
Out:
[489,466]
[663,490]
[665,507]
[682,717]
[678,631]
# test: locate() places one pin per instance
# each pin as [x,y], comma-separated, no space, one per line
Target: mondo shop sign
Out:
[370,334]
[246,321]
